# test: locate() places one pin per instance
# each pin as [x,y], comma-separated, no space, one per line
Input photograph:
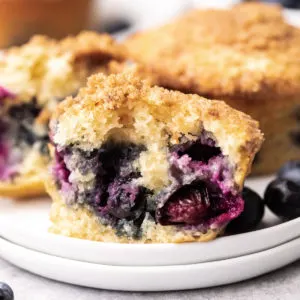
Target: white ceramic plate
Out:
[25,223]
[160,278]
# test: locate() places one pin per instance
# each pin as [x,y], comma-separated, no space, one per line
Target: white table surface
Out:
[279,285]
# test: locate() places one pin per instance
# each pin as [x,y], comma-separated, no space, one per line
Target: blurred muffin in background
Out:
[20,19]
[247,56]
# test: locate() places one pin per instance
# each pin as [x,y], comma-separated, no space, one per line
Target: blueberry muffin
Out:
[247,56]
[135,163]
[33,79]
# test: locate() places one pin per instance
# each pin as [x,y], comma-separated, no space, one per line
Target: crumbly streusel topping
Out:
[122,107]
[48,69]
[247,50]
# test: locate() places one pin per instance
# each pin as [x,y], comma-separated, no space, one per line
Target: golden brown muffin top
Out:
[47,69]
[248,50]
[123,107]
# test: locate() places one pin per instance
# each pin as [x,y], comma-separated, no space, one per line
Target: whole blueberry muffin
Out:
[33,79]
[248,56]
[135,163]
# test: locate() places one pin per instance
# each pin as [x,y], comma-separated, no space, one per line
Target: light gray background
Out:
[283,284]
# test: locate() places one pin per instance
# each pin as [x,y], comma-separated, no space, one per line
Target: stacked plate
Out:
[25,242]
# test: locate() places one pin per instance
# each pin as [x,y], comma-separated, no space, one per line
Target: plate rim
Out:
[150,278]
[96,252]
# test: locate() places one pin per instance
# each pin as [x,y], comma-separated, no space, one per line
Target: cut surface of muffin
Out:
[33,79]
[247,56]
[134,163]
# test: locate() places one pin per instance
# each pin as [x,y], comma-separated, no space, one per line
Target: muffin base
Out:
[79,222]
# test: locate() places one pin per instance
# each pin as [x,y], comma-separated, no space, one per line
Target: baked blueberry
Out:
[282,196]
[290,171]
[125,200]
[190,204]
[6,293]
[252,214]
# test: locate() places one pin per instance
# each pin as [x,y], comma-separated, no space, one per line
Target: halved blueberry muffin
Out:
[134,163]
[33,79]
[248,56]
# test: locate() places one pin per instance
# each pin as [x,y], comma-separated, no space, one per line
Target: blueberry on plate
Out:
[251,216]
[282,196]
[290,171]
[6,293]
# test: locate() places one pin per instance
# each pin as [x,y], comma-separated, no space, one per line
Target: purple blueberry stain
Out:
[62,174]
[202,193]
[112,190]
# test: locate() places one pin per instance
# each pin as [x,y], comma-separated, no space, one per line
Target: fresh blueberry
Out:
[251,216]
[116,25]
[282,196]
[6,293]
[290,171]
